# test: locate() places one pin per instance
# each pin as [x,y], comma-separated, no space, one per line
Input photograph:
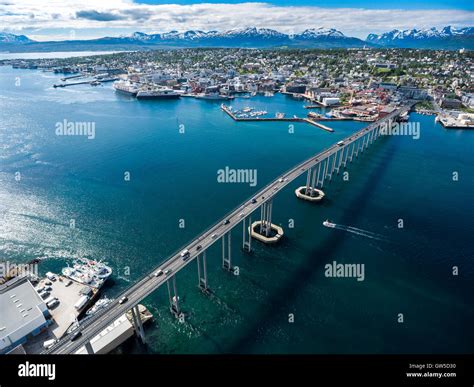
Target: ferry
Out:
[125,87]
[88,272]
[327,223]
[157,93]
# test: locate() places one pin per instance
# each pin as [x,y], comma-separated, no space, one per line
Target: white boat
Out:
[125,87]
[327,223]
[88,272]
[157,93]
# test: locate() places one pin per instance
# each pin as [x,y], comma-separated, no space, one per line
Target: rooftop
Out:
[23,311]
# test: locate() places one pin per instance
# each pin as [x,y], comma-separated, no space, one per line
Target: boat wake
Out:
[355,230]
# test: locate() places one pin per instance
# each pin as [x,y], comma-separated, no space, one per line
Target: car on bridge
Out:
[76,336]
[123,300]
[158,273]
[184,254]
[340,143]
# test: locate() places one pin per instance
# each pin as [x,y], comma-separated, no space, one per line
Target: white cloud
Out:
[115,16]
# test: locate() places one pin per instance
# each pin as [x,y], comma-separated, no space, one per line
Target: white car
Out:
[158,273]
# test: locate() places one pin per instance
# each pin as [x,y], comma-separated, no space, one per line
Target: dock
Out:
[84,82]
[231,114]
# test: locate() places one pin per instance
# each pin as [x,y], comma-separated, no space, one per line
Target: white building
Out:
[22,313]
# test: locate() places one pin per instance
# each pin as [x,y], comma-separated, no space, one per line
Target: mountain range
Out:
[447,38]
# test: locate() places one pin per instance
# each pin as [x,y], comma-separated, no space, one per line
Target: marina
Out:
[280,118]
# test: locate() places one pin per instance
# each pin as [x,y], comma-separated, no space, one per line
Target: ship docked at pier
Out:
[126,87]
[88,272]
[157,93]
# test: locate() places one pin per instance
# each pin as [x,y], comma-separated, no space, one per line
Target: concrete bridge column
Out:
[347,155]
[377,132]
[333,167]
[308,182]
[137,322]
[364,143]
[173,296]
[226,258]
[372,136]
[89,349]
[341,157]
[202,279]
[317,177]
[325,171]
[352,150]
[247,244]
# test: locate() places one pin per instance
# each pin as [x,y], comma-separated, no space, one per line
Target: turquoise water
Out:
[134,225]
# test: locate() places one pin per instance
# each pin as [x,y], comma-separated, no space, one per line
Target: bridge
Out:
[319,168]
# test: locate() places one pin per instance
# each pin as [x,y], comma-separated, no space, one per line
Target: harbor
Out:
[279,118]
[130,224]
[64,300]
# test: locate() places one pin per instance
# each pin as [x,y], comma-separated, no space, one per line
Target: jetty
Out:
[84,82]
[232,115]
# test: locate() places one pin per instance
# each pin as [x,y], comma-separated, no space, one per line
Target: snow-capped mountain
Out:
[447,37]
[247,37]
[11,38]
[319,32]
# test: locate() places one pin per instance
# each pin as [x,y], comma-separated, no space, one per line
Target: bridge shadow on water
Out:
[309,267]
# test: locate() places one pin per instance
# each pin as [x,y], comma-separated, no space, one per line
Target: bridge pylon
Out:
[246,242]
[226,252]
[173,297]
[202,272]
[138,324]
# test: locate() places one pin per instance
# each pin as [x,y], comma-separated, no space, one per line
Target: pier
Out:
[84,82]
[320,168]
[231,114]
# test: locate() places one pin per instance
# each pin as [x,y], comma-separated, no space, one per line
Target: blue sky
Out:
[87,19]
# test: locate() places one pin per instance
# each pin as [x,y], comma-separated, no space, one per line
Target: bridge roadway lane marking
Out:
[147,285]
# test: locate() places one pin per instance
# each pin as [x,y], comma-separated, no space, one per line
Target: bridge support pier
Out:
[226,258]
[310,192]
[89,349]
[137,322]
[173,297]
[246,244]
[266,217]
[202,271]
[261,230]
[339,162]
[333,166]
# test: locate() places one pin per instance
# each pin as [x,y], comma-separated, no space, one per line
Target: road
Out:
[175,263]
